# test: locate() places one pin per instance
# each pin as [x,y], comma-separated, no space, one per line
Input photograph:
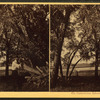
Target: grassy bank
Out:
[80,83]
[18,83]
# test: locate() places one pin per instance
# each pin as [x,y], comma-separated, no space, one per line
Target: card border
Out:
[50,94]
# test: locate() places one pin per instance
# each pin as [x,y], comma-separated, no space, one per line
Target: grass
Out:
[23,80]
[79,83]
[18,83]
[11,83]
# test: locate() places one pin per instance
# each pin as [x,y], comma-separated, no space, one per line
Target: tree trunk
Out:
[56,66]
[96,64]
[7,55]
[61,72]
[68,67]
[72,55]
[7,63]
[96,53]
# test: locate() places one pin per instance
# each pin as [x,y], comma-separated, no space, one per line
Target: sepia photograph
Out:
[24,47]
[75,48]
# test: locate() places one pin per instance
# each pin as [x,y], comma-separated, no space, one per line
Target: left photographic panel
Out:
[24,47]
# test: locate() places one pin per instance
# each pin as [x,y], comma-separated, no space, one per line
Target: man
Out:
[15,67]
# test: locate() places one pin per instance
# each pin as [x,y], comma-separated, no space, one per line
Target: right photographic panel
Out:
[75,47]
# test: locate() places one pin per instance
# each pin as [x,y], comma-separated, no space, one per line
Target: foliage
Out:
[29,32]
[38,82]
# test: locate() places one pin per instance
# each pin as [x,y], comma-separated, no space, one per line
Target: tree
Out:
[6,36]
[89,48]
[60,16]
[90,16]
[89,40]
[35,24]
[26,29]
